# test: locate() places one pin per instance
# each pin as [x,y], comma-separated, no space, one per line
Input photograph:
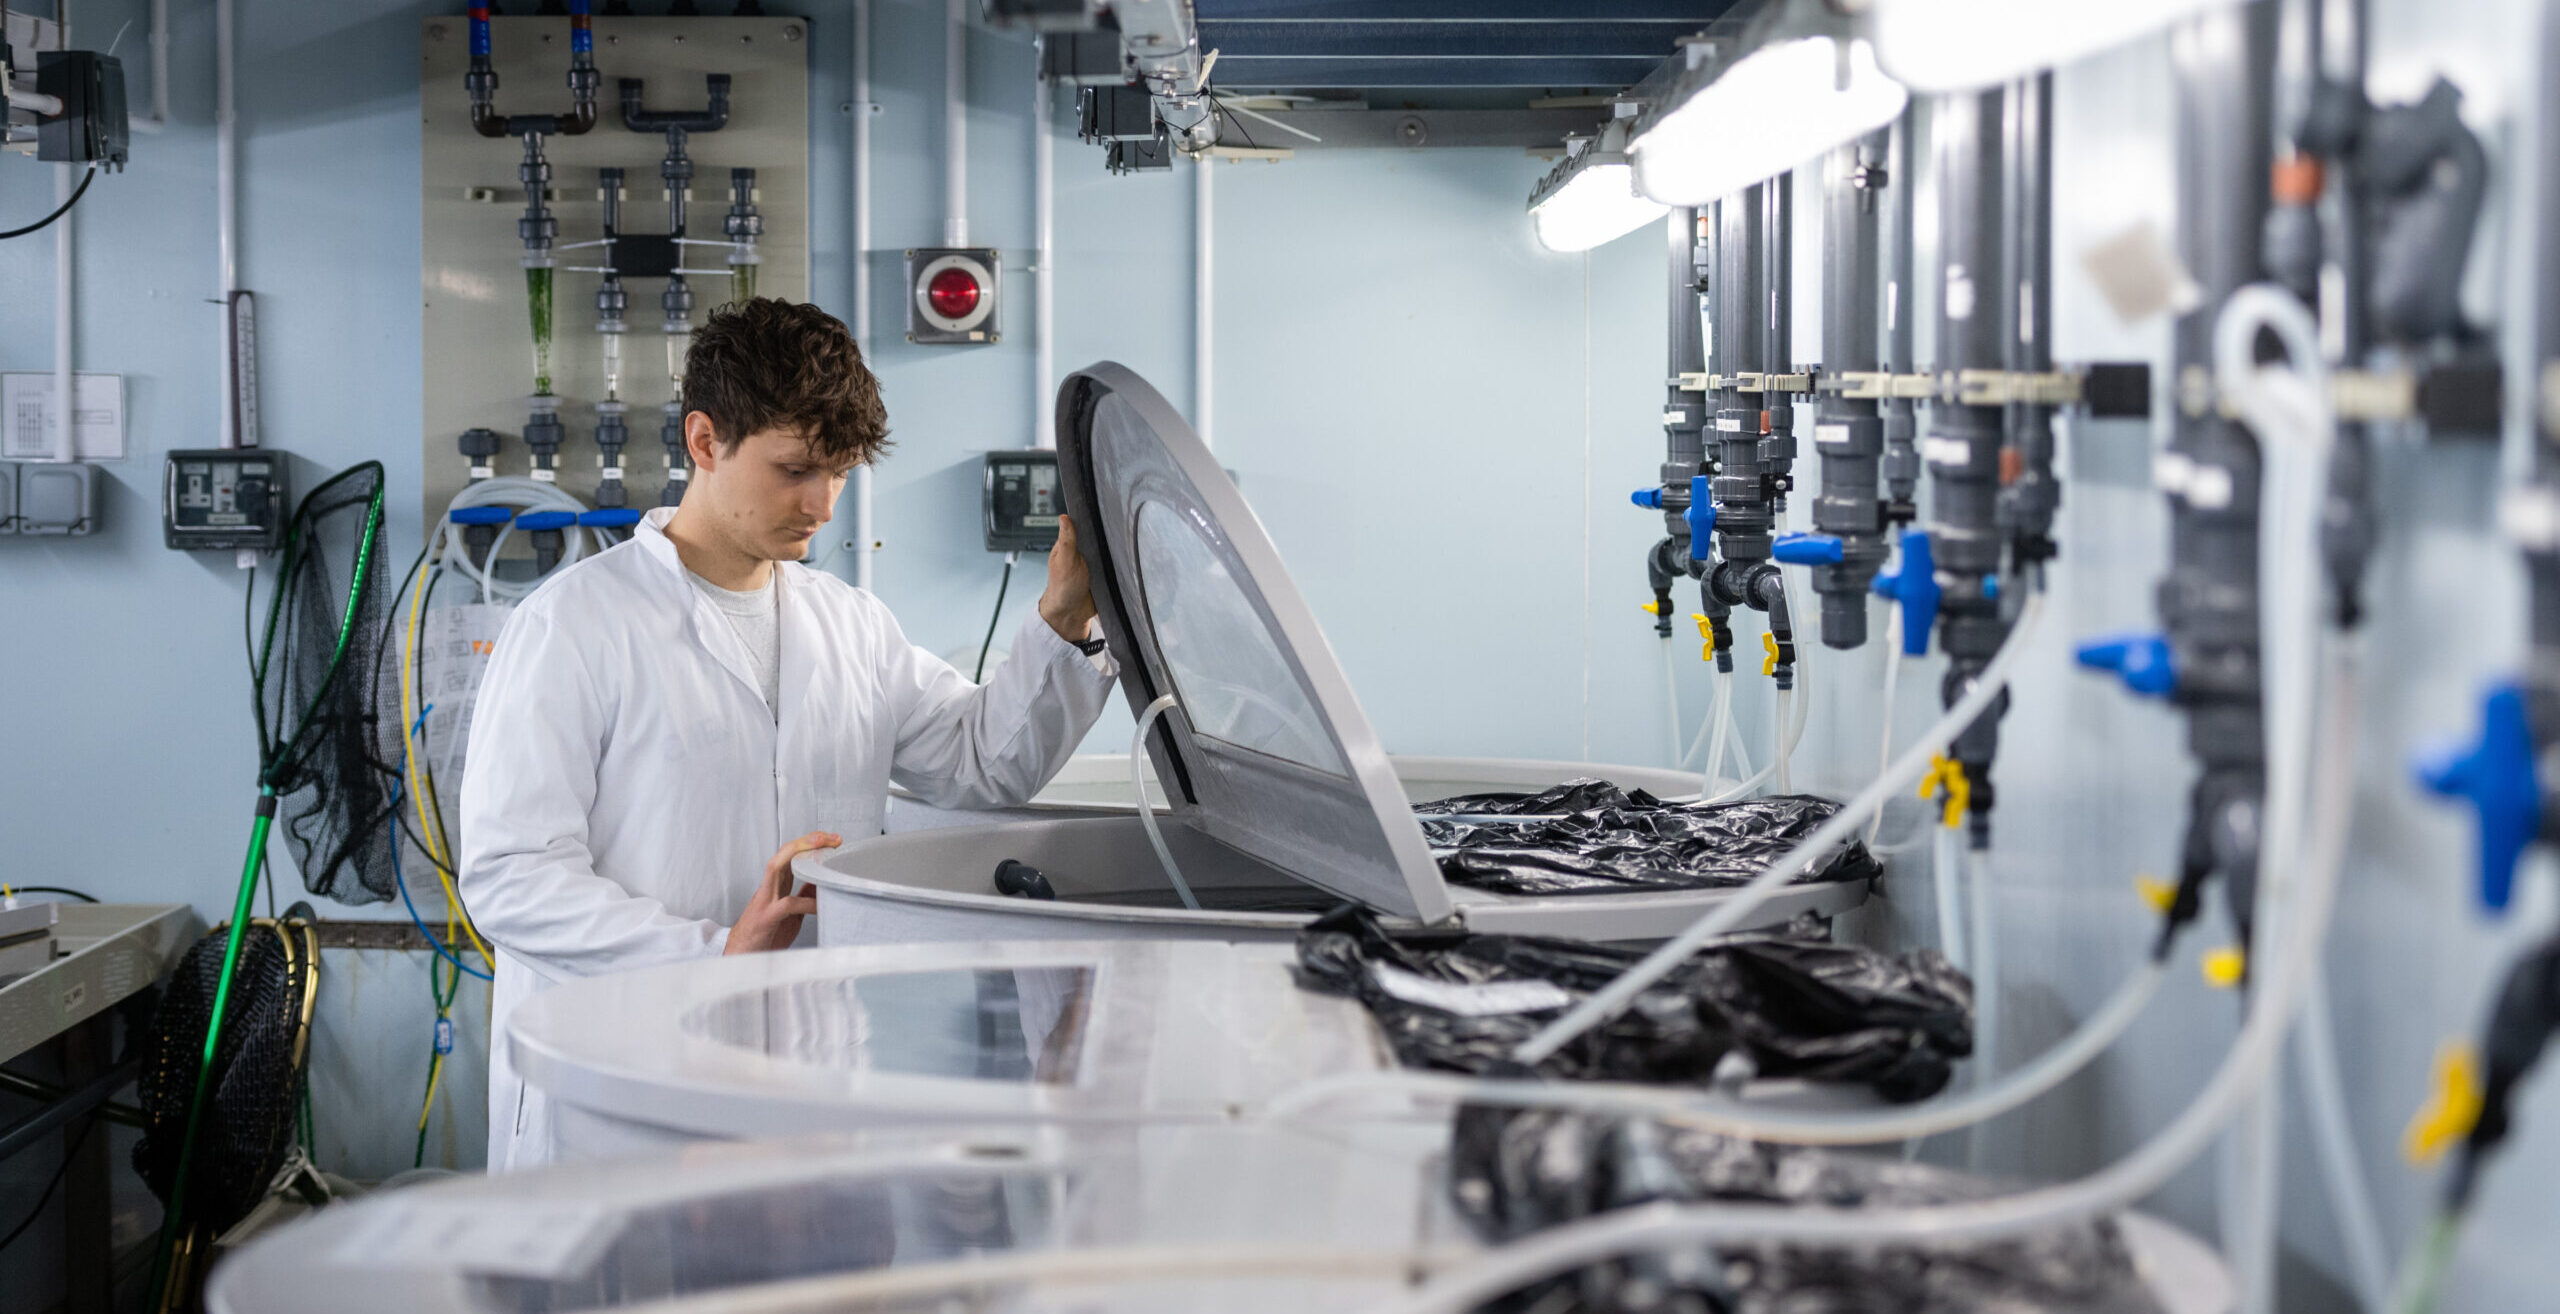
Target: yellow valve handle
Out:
[2225,968]
[2160,894]
[1650,609]
[1770,643]
[1946,780]
[2453,1107]
[1705,631]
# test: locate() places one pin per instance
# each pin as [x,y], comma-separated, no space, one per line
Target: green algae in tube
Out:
[537,297]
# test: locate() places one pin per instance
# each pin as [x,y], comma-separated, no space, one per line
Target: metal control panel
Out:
[223,499]
[1021,500]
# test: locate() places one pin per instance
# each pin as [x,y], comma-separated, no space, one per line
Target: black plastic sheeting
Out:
[1792,1004]
[1594,838]
[1513,1172]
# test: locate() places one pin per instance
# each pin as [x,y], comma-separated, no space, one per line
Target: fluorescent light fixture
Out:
[1591,197]
[1959,45]
[1786,102]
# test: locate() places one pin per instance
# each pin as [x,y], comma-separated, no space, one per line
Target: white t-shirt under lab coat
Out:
[627,778]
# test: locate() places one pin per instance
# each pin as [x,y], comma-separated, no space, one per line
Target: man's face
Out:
[768,495]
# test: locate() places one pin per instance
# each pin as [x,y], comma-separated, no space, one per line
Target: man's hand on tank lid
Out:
[1067,604]
[772,918]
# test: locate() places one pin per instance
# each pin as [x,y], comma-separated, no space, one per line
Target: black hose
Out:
[988,643]
[65,208]
[54,889]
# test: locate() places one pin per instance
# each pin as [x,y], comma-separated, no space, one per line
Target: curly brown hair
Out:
[766,363]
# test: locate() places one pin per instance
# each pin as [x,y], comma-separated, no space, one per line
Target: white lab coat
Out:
[626,782]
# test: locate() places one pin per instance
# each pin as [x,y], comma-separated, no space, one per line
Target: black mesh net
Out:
[317,694]
[256,1090]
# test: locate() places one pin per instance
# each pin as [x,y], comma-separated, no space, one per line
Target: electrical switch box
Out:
[1084,59]
[57,499]
[92,127]
[1021,500]
[224,499]
[1123,113]
[951,295]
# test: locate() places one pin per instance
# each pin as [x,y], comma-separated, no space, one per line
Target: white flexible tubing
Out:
[1984,940]
[1892,675]
[1722,720]
[1671,689]
[1739,905]
[1705,724]
[1731,1117]
[2315,1055]
[2284,405]
[1785,705]
[1946,858]
[2110,1189]
[1147,810]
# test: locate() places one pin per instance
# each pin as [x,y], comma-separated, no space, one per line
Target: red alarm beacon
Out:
[951,295]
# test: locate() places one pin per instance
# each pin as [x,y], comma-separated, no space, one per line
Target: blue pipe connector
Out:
[2497,776]
[612,517]
[1915,588]
[481,515]
[1701,515]
[2143,661]
[1809,549]
[1648,498]
[537,521]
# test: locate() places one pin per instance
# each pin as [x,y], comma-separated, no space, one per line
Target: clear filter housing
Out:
[679,341]
[611,332]
[537,299]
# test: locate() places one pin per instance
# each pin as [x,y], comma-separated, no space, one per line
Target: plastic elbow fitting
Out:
[1915,589]
[2497,775]
[2143,661]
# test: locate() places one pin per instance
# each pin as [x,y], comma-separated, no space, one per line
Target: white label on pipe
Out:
[1675,417]
[2531,516]
[2209,488]
[1728,424]
[2170,472]
[1959,297]
[1946,451]
[1830,435]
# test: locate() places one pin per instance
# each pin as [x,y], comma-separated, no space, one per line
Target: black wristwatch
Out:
[1089,646]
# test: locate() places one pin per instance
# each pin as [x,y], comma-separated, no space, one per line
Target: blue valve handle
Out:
[1701,515]
[541,520]
[1809,549]
[2496,774]
[612,517]
[2144,661]
[481,515]
[1915,587]
[1648,498]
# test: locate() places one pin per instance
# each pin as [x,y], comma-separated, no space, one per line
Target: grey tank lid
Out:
[1266,749]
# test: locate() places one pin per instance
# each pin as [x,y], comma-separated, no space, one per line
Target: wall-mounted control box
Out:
[224,499]
[1021,500]
[49,498]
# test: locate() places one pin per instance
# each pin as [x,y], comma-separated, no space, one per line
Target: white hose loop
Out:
[1732,1117]
[2285,406]
[1984,940]
[521,495]
[1842,825]
[2113,1188]
[1146,809]
[2315,1055]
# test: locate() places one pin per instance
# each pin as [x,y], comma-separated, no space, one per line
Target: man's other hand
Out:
[1067,604]
[772,918]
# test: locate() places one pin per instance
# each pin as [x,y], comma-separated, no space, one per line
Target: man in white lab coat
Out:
[660,718]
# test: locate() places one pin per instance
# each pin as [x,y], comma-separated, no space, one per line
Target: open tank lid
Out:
[1266,749]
